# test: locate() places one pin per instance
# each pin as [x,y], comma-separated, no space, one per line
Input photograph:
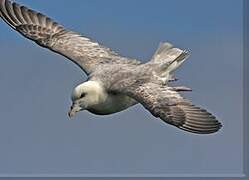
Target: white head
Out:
[86,95]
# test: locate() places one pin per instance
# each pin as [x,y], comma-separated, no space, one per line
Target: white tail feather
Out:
[169,58]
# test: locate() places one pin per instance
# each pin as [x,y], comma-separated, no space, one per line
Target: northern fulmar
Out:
[115,83]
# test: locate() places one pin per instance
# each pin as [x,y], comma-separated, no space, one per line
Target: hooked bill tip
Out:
[71,114]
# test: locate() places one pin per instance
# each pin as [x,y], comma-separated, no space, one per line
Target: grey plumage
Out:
[47,33]
[115,77]
[167,104]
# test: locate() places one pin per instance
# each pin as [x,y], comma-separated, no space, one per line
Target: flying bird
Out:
[115,83]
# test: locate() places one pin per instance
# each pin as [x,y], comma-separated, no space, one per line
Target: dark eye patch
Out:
[82,95]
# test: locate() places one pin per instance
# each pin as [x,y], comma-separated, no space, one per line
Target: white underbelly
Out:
[113,104]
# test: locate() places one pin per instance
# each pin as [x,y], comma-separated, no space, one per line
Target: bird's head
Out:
[85,96]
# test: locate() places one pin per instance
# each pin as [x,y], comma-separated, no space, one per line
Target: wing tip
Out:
[201,126]
[199,120]
[8,14]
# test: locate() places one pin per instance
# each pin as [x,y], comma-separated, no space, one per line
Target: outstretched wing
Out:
[49,34]
[167,104]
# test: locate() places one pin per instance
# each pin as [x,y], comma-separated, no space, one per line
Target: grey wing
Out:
[49,34]
[167,104]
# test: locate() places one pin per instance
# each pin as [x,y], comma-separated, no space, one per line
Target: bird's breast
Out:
[114,103]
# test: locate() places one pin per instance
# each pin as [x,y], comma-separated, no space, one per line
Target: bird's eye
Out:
[82,95]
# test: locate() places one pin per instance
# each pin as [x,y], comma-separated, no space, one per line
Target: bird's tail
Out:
[168,58]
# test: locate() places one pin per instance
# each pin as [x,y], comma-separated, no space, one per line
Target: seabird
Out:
[115,83]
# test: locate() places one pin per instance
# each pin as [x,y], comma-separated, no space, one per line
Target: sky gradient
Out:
[36,136]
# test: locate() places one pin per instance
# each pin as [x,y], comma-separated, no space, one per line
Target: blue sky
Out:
[36,135]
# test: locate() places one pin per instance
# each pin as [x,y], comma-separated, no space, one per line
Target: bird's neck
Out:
[97,92]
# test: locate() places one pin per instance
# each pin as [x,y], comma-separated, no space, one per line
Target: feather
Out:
[167,104]
[39,28]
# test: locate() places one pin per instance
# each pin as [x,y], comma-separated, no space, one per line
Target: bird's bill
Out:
[73,110]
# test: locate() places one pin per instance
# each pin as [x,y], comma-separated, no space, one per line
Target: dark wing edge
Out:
[168,105]
[49,34]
